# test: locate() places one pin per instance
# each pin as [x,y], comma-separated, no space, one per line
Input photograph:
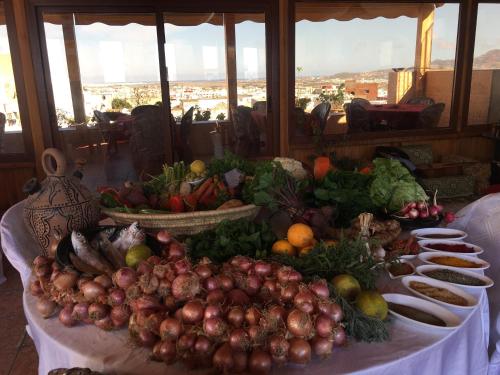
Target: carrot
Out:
[208,192]
[203,187]
[322,166]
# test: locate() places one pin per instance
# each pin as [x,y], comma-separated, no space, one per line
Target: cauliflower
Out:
[292,166]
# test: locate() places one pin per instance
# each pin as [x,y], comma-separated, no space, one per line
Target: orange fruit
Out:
[300,235]
[305,250]
[283,247]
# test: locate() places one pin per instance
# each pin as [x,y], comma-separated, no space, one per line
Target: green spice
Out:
[454,277]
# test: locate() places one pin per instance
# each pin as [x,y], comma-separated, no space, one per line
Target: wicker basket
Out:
[184,223]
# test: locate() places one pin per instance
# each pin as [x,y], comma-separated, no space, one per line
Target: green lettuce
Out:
[394,186]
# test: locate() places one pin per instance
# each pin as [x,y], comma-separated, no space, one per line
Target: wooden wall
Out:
[13,177]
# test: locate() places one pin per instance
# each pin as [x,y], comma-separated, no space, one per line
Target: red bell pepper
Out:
[176,203]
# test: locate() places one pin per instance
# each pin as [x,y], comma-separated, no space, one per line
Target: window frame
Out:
[461,83]
[36,8]
[28,154]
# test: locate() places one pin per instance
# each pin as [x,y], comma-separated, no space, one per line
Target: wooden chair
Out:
[3,121]
[320,115]
[430,116]
[260,106]
[184,149]
[358,120]
[246,132]
[420,100]
[360,101]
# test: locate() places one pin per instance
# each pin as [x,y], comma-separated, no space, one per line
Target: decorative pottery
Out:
[59,204]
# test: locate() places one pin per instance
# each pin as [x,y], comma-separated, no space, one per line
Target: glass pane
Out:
[106,86]
[484,103]
[368,67]
[11,137]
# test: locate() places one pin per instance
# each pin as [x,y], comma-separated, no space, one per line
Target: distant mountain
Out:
[374,74]
[488,60]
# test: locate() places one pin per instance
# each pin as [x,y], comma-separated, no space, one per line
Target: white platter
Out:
[471,300]
[425,256]
[487,280]
[425,245]
[452,321]
[457,234]
[399,277]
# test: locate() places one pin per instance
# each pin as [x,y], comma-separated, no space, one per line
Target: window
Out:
[379,66]
[484,102]
[11,123]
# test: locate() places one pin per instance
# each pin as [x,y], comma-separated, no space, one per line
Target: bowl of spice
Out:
[457,247]
[461,278]
[400,269]
[453,260]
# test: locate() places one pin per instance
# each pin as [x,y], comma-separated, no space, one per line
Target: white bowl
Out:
[457,234]
[471,300]
[399,277]
[487,280]
[425,257]
[425,245]
[452,321]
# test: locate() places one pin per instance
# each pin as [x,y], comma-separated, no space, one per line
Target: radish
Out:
[413,213]
[434,211]
[449,217]
[424,214]
[421,206]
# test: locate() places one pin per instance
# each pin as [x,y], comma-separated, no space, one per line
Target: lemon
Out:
[197,167]
[283,247]
[371,303]
[346,286]
[136,254]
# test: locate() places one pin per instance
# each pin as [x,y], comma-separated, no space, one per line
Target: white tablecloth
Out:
[410,351]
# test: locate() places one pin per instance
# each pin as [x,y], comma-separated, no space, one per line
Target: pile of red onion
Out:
[244,315]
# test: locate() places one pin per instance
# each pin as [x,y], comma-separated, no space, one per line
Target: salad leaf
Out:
[394,186]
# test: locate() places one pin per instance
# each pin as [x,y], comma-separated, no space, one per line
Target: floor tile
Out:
[26,362]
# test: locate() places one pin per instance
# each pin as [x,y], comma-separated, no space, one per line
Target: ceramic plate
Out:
[426,245]
[471,300]
[454,234]
[452,321]
[487,280]
[426,258]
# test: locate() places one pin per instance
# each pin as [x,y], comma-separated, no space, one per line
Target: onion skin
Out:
[320,288]
[226,282]
[147,302]
[212,311]
[186,286]
[324,326]
[170,329]
[321,346]
[164,237]
[203,345]
[65,316]
[262,269]
[186,341]
[148,283]
[176,251]
[36,288]
[116,297]
[236,316]
[203,271]
[182,266]
[104,280]
[289,291]
[66,280]
[42,270]
[165,351]
[144,268]
[330,309]
[237,297]
[46,307]
[211,283]
[81,311]
[214,327]
[299,323]
[40,259]
[97,311]
[106,323]
[223,359]
[125,277]
[192,312]
[252,316]
[215,297]
[300,351]
[287,274]
[339,336]
[239,339]
[275,315]
[278,346]
[145,338]
[260,362]
[92,290]
[120,315]
[240,361]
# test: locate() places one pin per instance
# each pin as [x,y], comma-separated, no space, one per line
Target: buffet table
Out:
[411,350]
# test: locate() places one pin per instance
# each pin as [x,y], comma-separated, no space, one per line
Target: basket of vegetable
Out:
[183,199]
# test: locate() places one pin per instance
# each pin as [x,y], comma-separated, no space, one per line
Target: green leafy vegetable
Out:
[228,162]
[393,185]
[230,238]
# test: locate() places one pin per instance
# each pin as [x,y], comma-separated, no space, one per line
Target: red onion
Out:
[192,312]
[176,251]
[240,362]
[214,327]
[321,346]
[212,311]
[304,300]
[106,323]
[242,263]
[324,326]
[144,268]
[145,338]
[289,291]
[81,311]
[223,359]
[104,280]
[252,316]
[82,280]
[154,260]
[278,346]
[91,290]
[164,288]
[203,270]
[153,322]
[421,206]
[182,266]
[53,275]
[65,280]
[160,270]
[236,316]
[260,362]
[257,334]
[226,282]
[97,311]
[148,302]
[423,214]
[211,283]
[270,285]
[116,297]
[36,288]
[300,351]
[65,316]
[170,303]
[40,259]
[202,345]
[186,286]
[320,288]
[339,336]
[299,323]
[287,274]
[239,339]
[170,329]
[55,267]
[275,315]
[237,297]
[434,211]
[148,283]
[215,296]
[178,314]
[164,237]
[330,309]
[42,270]
[46,307]
[262,268]
[186,341]
[120,315]
[125,277]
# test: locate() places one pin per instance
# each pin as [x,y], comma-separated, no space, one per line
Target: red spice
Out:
[452,248]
